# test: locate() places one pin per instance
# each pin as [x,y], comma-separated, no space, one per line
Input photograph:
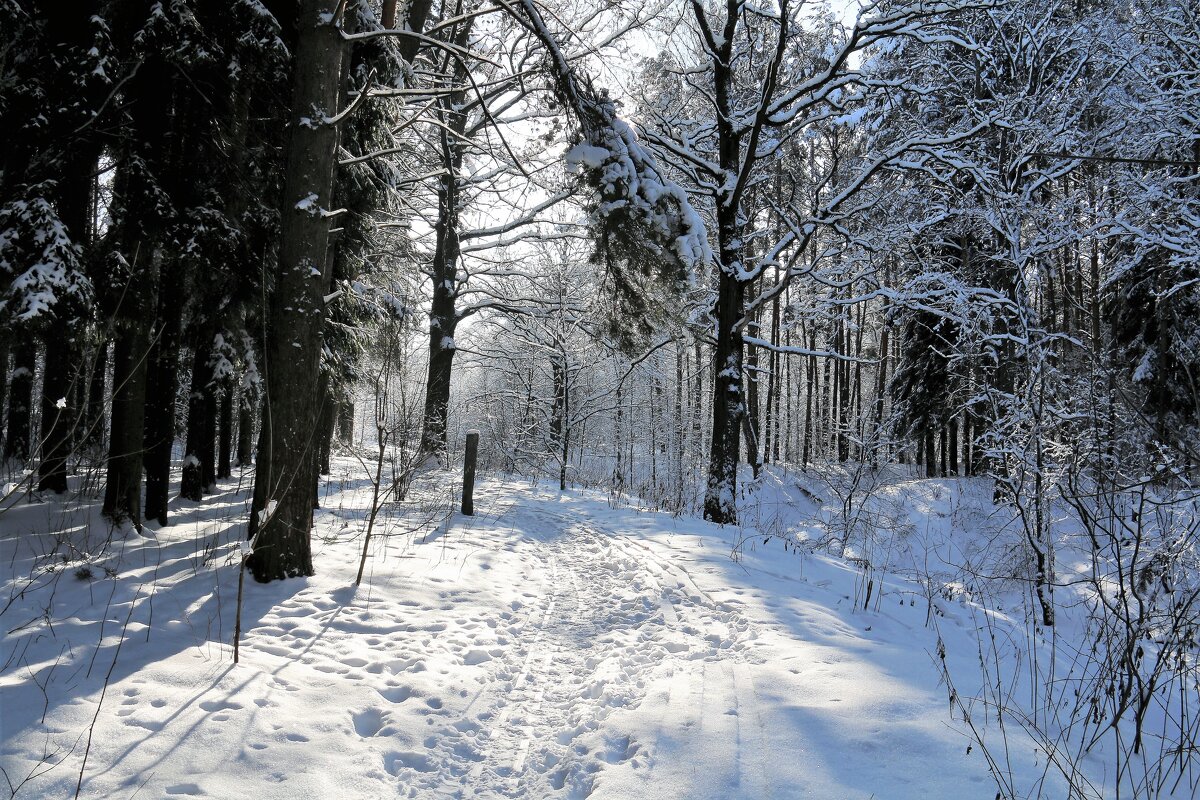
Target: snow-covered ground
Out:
[550,646]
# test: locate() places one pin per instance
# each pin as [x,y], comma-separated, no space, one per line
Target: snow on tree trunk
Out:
[727,407]
[443,320]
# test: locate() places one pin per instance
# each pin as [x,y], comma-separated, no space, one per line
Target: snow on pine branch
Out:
[40,258]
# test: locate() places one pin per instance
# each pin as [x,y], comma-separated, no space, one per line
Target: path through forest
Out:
[551,646]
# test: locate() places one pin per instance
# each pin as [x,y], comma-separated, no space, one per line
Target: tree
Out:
[281,513]
[770,80]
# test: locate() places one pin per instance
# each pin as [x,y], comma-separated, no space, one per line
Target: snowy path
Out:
[609,631]
[548,647]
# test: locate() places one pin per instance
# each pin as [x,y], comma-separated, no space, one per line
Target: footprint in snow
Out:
[369,723]
[397,762]
[188,789]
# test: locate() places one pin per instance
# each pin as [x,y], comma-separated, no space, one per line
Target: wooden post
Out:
[468,490]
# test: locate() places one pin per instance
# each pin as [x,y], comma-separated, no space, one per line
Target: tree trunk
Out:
[787,388]
[698,398]
[565,427]
[328,419]
[618,476]
[345,421]
[752,425]
[968,444]
[93,425]
[857,388]
[881,385]
[810,400]
[930,451]
[20,398]
[844,398]
[63,371]
[320,440]
[952,447]
[418,12]
[558,372]
[162,381]
[442,325]
[721,492]
[225,444]
[443,270]
[680,428]
[282,488]
[387,15]
[58,409]
[123,488]
[245,443]
[193,483]
[3,371]
[945,469]
[208,445]
[774,385]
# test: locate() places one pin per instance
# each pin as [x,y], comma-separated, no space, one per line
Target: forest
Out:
[899,299]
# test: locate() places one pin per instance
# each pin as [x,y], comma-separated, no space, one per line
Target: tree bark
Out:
[930,451]
[881,385]
[721,491]
[20,398]
[281,514]
[58,411]
[345,421]
[64,345]
[162,386]
[93,423]
[245,444]
[942,443]
[751,422]
[208,445]
[952,447]
[618,475]
[810,396]
[3,371]
[123,488]
[418,13]
[325,431]
[443,270]
[720,496]
[193,484]
[225,444]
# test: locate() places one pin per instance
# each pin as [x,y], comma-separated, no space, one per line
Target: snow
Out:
[1144,371]
[550,646]
[851,118]
[309,204]
[587,155]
